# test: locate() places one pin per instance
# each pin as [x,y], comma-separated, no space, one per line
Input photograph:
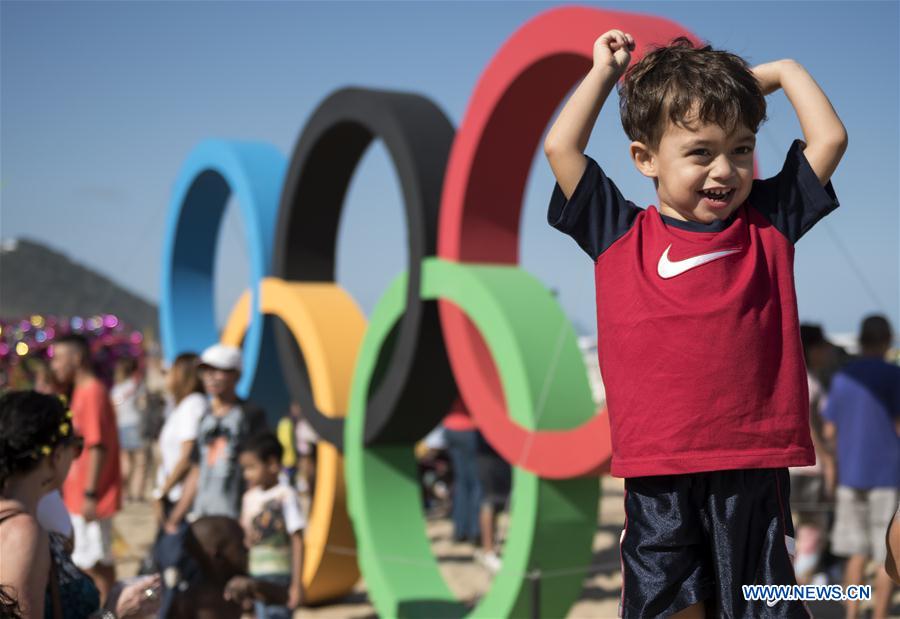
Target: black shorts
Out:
[699,537]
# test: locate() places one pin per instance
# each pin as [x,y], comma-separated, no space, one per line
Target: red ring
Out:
[481,205]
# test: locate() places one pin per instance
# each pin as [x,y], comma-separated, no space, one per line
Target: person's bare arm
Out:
[131,599]
[243,590]
[183,506]
[295,591]
[96,457]
[25,562]
[568,137]
[829,434]
[829,444]
[825,459]
[823,131]
[892,560]
[182,468]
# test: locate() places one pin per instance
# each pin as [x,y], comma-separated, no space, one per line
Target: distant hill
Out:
[35,279]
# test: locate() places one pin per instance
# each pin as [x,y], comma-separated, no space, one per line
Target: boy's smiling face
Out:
[702,173]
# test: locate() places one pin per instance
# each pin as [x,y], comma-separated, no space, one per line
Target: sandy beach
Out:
[467,578]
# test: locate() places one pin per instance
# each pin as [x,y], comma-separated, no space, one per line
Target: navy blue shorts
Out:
[699,537]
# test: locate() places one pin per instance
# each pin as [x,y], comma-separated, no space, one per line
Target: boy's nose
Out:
[722,168]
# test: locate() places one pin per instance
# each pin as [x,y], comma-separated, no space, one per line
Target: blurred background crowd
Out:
[176,438]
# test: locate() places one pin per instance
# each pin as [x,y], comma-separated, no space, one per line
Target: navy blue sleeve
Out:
[794,199]
[596,215]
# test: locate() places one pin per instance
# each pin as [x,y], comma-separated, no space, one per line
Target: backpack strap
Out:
[6,514]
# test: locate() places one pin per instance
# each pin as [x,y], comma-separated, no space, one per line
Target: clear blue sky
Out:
[101,102]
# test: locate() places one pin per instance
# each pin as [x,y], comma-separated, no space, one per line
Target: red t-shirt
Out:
[698,332]
[94,419]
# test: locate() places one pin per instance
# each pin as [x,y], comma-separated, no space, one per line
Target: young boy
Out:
[273,525]
[698,334]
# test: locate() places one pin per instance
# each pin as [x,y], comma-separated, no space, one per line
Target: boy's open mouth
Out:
[717,198]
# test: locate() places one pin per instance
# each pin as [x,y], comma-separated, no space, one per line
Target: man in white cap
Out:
[214,485]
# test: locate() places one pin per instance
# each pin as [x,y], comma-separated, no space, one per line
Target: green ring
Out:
[552,521]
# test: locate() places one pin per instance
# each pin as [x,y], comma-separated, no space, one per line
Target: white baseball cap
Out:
[221,357]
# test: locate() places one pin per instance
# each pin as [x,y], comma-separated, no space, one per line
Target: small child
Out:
[273,525]
[698,332]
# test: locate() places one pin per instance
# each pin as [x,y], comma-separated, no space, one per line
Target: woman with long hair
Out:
[179,432]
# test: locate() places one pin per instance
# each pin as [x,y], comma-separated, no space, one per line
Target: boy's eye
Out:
[702,152]
[744,150]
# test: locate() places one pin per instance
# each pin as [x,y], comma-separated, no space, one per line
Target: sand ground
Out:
[466,578]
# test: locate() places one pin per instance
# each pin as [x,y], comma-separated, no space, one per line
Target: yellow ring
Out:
[328,327]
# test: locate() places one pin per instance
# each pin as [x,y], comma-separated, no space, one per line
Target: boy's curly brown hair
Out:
[668,82]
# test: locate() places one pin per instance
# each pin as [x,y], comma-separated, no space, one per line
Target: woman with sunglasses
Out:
[37,446]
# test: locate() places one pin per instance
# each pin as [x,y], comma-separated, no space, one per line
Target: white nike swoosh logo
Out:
[666,268]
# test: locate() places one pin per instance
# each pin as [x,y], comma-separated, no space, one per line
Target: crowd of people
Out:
[60,484]
[223,485]
[74,449]
[844,503]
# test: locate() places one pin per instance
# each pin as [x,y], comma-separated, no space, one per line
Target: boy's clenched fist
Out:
[613,50]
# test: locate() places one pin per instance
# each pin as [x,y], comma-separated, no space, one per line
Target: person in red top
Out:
[92,490]
[461,436]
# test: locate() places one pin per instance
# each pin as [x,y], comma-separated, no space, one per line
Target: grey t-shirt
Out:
[220,485]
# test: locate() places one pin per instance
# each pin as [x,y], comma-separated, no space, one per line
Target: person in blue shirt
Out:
[863,417]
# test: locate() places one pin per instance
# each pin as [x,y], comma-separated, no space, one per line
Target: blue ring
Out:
[214,170]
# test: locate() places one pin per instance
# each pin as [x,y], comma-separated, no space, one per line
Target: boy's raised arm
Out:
[568,137]
[825,135]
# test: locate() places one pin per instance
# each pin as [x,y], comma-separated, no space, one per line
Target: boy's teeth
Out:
[716,195]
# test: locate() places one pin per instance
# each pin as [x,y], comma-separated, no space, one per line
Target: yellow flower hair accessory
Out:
[65,427]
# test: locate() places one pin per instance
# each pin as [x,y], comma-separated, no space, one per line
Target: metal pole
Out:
[535,577]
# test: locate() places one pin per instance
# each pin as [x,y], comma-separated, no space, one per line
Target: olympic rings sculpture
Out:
[461,317]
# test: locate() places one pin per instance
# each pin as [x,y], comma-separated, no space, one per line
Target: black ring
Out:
[416,382]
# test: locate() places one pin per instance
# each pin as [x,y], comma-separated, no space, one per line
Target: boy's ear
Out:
[644,159]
